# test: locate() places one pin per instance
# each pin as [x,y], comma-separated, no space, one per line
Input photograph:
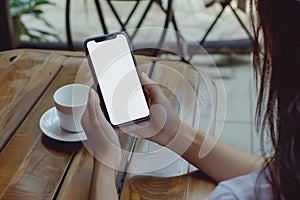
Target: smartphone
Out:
[114,71]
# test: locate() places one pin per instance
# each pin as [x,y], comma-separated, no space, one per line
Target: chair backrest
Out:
[6,39]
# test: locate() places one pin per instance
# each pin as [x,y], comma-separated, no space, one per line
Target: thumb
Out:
[145,79]
[151,86]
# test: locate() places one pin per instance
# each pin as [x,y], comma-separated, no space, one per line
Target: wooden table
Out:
[33,166]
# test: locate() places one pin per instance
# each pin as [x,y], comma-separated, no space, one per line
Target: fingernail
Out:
[144,75]
[94,93]
[91,92]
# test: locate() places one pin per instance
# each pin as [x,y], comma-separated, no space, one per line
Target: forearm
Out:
[220,160]
[103,183]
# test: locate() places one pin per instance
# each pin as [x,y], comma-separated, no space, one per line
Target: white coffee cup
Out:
[70,102]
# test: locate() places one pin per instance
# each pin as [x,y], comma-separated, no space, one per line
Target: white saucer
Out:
[49,123]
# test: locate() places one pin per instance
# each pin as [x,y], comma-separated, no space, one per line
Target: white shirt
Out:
[247,187]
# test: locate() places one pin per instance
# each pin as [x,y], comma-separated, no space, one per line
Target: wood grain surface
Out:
[21,85]
[27,158]
[33,166]
[8,57]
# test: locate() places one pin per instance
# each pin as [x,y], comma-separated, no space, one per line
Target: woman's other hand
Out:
[164,122]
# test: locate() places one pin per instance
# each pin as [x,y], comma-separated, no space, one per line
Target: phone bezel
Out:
[91,66]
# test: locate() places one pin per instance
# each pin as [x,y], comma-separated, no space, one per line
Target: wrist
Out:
[182,139]
[102,170]
[108,160]
[103,182]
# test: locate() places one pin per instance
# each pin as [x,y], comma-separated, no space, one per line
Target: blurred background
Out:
[45,20]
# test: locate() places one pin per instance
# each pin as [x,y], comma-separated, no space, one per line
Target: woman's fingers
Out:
[145,79]
[87,114]
[98,109]
[149,84]
[94,106]
[91,105]
[94,87]
[85,117]
[151,87]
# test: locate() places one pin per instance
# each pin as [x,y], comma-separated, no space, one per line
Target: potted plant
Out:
[19,8]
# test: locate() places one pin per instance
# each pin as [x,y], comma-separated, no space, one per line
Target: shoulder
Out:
[247,187]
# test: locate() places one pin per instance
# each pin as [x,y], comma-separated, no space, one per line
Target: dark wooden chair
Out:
[6,28]
[170,18]
[227,46]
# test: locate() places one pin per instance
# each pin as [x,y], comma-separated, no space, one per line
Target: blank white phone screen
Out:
[118,80]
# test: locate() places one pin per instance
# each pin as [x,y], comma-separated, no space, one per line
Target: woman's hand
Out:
[103,141]
[164,122]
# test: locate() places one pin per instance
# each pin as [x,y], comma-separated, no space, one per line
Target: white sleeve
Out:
[222,192]
[244,187]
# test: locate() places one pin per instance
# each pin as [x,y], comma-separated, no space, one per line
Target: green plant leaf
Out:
[45,21]
[36,13]
[33,37]
[43,2]
[19,8]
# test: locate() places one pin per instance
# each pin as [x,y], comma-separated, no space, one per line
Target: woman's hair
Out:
[276,60]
